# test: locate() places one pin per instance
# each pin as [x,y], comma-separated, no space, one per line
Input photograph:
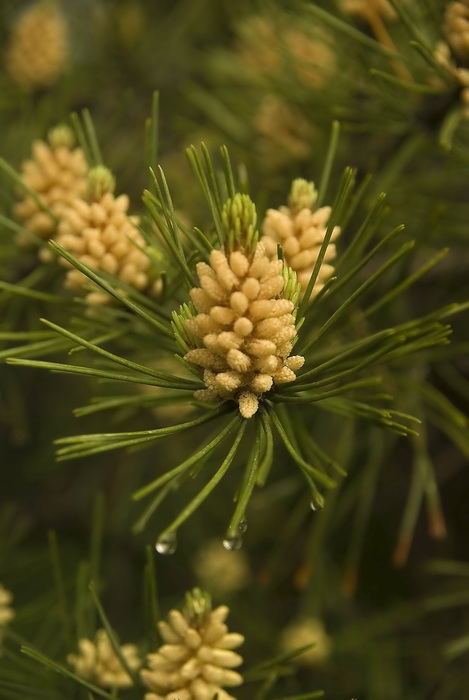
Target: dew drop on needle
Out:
[166,544]
[243,526]
[233,543]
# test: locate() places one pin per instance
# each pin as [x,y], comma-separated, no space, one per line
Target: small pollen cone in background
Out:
[266,51]
[456,28]
[38,50]
[131,21]
[57,173]
[279,50]
[221,571]
[282,132]
[367,8]
[6,611]
[99,233]
[453,54]
[246,325]
[300,230]
[376,13]
[196,660]
[308,630]
[97,661]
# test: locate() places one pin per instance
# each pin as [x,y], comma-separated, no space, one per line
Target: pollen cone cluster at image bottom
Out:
[246,326]
[197,659]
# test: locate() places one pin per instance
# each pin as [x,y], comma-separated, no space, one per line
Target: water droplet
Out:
[167,544]
[243,526]
[233,543]
[317,502]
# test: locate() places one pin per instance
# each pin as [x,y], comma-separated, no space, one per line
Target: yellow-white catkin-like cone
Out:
[366,8]
[97,661]
[246,327]
[57,174]
[101,234]
[300,230]
[308,630]
[39,46]
[196,661]
[456,29]
[6,611]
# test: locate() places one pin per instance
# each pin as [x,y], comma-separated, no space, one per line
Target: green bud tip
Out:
[198,605]
[100,181]
[61,135]
[239,219]
[303,195]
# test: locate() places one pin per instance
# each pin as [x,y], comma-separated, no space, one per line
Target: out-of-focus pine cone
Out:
[39,46]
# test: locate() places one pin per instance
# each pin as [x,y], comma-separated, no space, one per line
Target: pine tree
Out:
[234,370]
